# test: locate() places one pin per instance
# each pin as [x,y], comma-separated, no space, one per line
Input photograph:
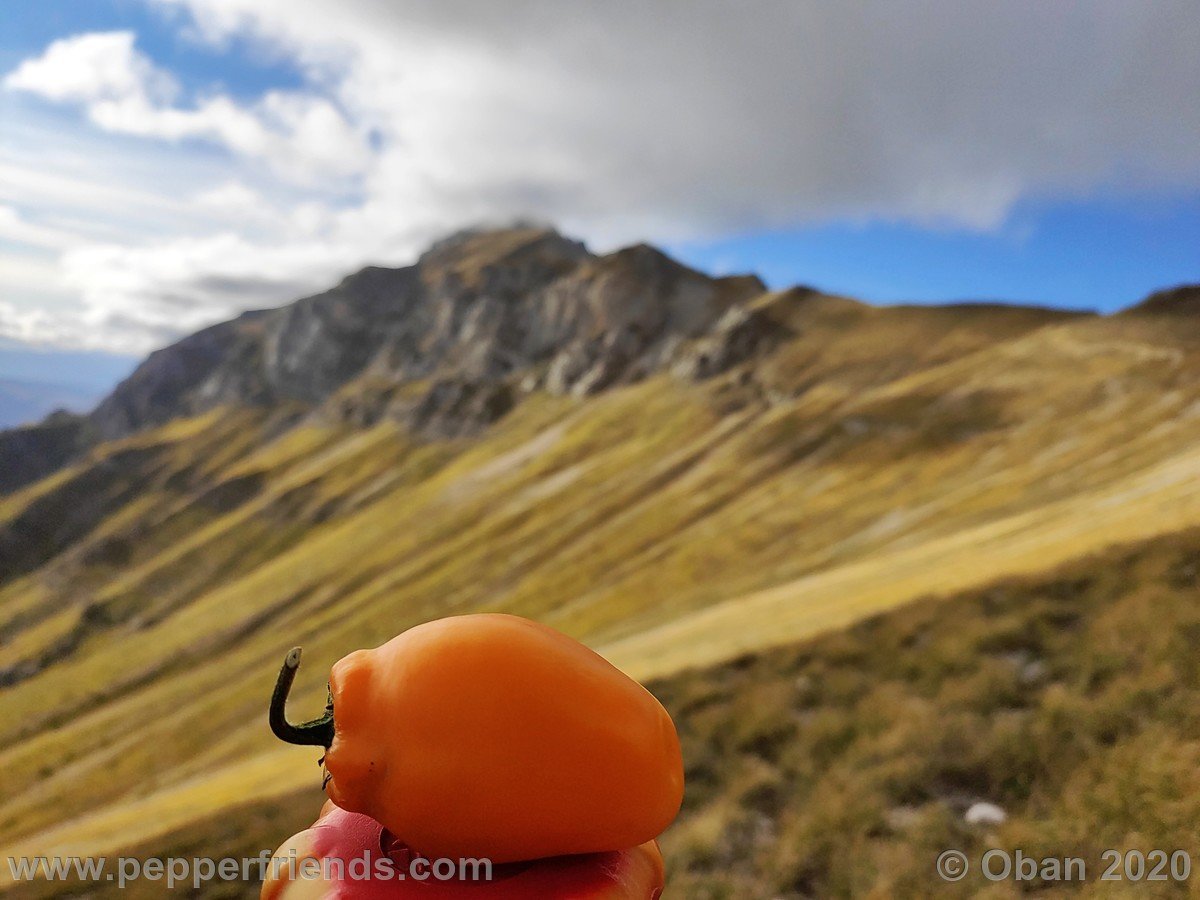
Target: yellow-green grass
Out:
[842,765]
[671,525]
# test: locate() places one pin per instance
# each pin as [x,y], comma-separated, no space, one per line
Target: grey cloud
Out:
[627,119]
[251,290]
[158,334]
[728,114]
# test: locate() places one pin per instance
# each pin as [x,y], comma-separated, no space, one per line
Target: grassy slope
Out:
[841,766]
[881,455]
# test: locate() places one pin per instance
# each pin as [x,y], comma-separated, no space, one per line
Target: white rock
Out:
[983,813]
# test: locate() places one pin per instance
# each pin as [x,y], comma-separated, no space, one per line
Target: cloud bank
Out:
[619,121]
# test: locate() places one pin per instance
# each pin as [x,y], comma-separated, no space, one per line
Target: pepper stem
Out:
[314,733]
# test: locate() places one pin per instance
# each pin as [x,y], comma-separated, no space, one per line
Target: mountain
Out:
[1183,301]
[714,484]
[481,318]
[448,345]
[30,452]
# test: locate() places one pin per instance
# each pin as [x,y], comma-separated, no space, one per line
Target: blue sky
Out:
[1104,253]
[167,163]
[243,68]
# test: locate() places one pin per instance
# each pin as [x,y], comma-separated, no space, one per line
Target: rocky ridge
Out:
[448,344]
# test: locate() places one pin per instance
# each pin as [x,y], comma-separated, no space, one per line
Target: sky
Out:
[165,164]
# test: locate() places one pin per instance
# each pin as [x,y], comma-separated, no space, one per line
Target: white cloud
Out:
[91,234]
[185,281]
[302,136]
[93,67]
[233,196]
[15,228]
[22,324]
[623,120]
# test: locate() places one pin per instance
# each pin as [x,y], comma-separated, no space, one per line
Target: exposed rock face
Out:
[451,343]
[739,334]
[480,318]
[215,365]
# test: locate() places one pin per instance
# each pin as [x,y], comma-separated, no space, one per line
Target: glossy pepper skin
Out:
[494,736]
[635,874]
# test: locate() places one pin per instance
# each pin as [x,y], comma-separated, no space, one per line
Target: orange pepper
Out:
[493,736]
[349,839]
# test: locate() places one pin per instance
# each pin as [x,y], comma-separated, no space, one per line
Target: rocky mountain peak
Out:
[500,261]
[484,317]
[481,317]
